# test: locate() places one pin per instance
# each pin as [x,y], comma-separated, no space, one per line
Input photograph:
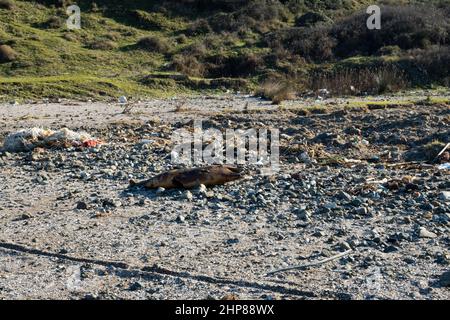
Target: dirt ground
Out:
[353,179]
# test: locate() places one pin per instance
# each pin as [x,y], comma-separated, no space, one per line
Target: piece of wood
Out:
[312,264]
[442,152]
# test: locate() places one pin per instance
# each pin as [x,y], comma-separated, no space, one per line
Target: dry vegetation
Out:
[7,54]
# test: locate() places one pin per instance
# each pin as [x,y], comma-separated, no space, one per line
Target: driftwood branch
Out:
[312,264]
[442,152]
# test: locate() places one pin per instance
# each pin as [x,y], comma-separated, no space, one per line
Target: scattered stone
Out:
[424,233]
[444,280]
[391,248]
[445,196]
[135,286]
[202,189]
[81,205]
[344,196]
[188,196]
[362,211]
[303,214]
[24,216]
[232,241]
[123,100]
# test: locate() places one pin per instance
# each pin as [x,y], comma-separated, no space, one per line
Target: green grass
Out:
[56,62]
[59,62]
[75,86]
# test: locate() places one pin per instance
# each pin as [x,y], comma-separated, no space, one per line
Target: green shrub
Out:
[366,80]
[277,91]
[103,44]
[150,20]
[404,26]
[156,44]
[199,27]
[434,62]
[188,65]
[54,22]
[310,19]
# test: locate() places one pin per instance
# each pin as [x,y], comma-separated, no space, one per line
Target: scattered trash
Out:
[91,143]
[29,139]
[123,100]
[192,178]
[444,166]
[324,92]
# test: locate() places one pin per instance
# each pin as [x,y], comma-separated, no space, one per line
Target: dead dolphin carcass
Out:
[192,178]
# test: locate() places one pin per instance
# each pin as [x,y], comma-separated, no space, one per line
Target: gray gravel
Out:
[71,229]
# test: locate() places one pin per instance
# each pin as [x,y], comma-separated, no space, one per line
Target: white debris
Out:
[424,233]
[123,100]
[444,166]
[305,157]
[28,139]
[324,92]
[445,196]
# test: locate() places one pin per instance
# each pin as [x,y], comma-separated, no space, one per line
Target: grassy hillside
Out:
[160,48]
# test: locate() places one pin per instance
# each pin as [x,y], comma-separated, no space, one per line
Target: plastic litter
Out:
[29,139]
[123,100]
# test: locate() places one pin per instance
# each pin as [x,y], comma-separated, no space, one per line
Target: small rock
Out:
[344,196]
[135,286]
[427,207]
[84,175]
[202,189]
[188,196]
[331,205]
[82,205]
[305,157]
[390,249]
[362,211]
[123,100]
[160,190]
[232,241]
[180,219]
[444,280]
[445,196]
[345,246]
[424,233]
[303,214]
[24,216]
[111,203]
